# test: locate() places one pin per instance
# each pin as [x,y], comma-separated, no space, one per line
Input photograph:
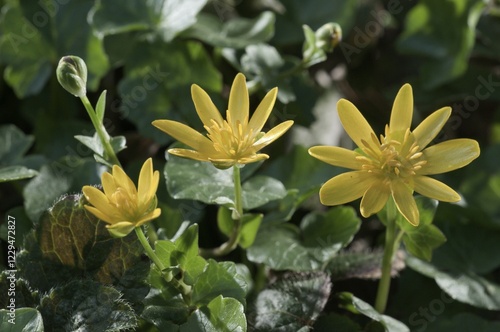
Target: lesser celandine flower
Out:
[396,164]
[234,141]
[123,205]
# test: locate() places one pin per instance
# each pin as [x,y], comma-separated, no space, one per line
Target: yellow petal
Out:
[108,184]
[185,134]
[205,108]
[272,135]
[403,197]
[402,110]
[252,159]
[150,216]
[148,182]
[191,154]
[428,129]
[432,188]
[238,107]
[374,199]
[120,229]
[336,156]
[97,198]
[346,187]
[355,124]
[99,214]
[449,155]
[262,112]
[122,180]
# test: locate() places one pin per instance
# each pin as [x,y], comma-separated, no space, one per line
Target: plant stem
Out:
[392,241]
[109,153]
[184,289]
[232,242]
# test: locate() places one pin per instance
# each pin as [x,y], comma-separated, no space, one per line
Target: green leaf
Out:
[358,306]
[319,239]
[21,320]
[423,240]
[361,265]
[466,287]
[221,314]
[55,179]
[12,173]
[100,106]
[71,242]
[157,82]
[183,254]
[249,226]
[166,18]
[13,144]
[23,294]
[310,51]
[87,306]
[464,322]
[291,303]
[446,44]
[30,49]
[238,32]
[201,181]
[94,143]
[219,278]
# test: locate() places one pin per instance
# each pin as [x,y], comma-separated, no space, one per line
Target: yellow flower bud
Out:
[72,75]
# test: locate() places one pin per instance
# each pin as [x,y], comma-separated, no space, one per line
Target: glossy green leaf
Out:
[249,226]
[183,254]
[358,306]
[293,302]
[238,32]
[466,287]
[94,143]
[37,33]
[70,242]
[21,320]
[219,278]
[13,144]
[423,240]
[201,181]
[68,174]
[446,44]
[87,306]
[463,322]
[221,314]
[157,83]
[12,173]
[166,18]
[318,240]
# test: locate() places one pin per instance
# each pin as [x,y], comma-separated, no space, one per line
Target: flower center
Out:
[232,141]
[396,155]
[126,203]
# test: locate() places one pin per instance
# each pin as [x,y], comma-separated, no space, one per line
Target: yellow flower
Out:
[397,164]
[235,141]
[122,205]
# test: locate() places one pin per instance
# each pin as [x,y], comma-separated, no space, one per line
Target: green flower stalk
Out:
[72,75]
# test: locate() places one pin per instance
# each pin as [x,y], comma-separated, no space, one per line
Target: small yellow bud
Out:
[328,36]
[72,75]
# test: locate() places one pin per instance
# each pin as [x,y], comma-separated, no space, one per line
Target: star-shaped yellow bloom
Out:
[122,205]
[395,165]
[234,141]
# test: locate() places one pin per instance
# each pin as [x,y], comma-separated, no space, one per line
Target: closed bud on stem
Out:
[72,75]
[328,36]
